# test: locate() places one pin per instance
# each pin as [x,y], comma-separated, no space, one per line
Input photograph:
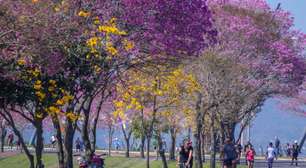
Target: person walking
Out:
[288,150]
[295,153]
[53,141]
[277,147]
[239,151]
[182,157]
[229,154]
[250,155]
[270,155]
[10,140]
[78,145]
[245,149]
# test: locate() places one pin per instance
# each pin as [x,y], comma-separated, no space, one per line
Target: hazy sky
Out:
[296,7]
[272,120]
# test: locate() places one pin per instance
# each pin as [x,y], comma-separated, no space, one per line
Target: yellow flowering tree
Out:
[155,94]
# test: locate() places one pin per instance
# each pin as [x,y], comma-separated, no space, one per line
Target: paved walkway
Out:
[7,154]
[279,164]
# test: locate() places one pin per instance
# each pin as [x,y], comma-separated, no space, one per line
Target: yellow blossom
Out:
[52,82]
[56,9]
[21,62]
[54,109]
[34,1]
[111,30]
[36,72]
[111,49]
[97,21]
[118,104]
[67,98]
[50,89]
[84,14]
[37,86]
[97,69]
[60,102]
[93,41]
[71,116]
[39,115]
[128,45]
[40,95]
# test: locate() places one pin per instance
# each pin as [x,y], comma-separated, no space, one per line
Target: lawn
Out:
[20,161]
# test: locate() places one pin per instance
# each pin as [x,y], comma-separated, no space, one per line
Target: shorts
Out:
[228,162]
[252,161]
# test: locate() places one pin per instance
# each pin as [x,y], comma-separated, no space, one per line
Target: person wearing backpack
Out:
[229,154]
[270,155]
[295,153]
[250,155]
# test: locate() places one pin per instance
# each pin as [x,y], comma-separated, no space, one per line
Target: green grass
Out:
[20,161]
[50,161]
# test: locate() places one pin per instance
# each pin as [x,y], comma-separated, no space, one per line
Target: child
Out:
[250,155]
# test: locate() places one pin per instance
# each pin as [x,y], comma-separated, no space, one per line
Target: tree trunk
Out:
[173,142]
[39,143]
[94,127]
[161,150]
[127,152]
[3,134]
[203,146]
[148,151]
[302,141]
[25,148]
[198,149]
[214,149]
[68,144]
[127,137]
[110,139]
[60,152]
[85,133]
[197,135]
[142,145]
[85,137]
[30,157]
[213,142]
[229,131]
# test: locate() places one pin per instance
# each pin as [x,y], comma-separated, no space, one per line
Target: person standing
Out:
[229,154]
[189,154]
[270,155]
[182,157]
[250,155]
[295,153]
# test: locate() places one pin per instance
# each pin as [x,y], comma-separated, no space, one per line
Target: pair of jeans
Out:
[270,162]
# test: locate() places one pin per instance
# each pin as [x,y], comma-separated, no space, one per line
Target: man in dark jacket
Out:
[229,154]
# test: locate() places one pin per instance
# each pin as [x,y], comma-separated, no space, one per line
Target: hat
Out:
[295,141]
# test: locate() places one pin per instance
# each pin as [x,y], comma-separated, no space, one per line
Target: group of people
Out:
[231,154]
[185,157]
[11,141]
